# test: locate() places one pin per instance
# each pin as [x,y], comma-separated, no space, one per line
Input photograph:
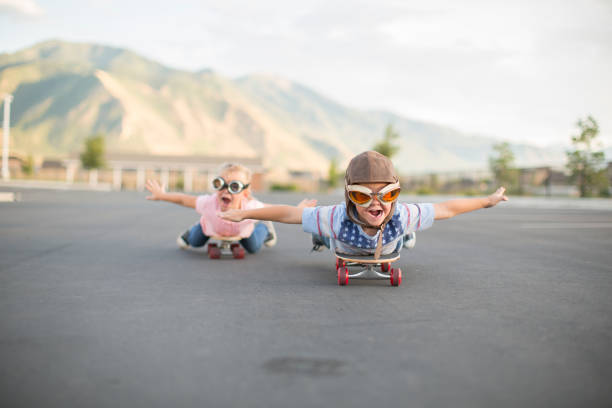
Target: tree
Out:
[586,165]
[93,156]
[332,174]
[502,166]
[27,167]
[385,146]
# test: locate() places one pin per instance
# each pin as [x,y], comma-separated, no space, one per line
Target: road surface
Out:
[505,307]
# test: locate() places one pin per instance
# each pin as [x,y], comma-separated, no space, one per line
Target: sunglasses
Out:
[363,196]
[233,187]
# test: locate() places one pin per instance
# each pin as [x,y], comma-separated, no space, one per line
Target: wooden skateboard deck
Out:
[368,259]
[225,239]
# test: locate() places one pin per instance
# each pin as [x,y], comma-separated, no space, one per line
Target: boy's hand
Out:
[496,197]
[307,202]
[232,215]
[156,189]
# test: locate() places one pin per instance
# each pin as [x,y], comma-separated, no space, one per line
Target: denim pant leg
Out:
[253,243]
[196,236]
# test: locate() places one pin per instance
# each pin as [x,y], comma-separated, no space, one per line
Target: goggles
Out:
[233,187]
[363,196]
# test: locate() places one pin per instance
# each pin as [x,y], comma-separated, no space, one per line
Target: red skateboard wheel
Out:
[238,252]
[210,246]
[395,276]
[214,252]
[343,276]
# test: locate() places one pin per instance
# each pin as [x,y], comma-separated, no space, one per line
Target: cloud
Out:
[23,8]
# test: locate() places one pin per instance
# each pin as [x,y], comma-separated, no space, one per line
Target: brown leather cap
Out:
[370,167]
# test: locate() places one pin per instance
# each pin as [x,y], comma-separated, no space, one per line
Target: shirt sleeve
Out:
[418,217]
[318,220]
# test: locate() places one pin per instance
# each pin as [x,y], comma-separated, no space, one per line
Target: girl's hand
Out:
[307,202]
[156,189]
[496,197]
[232,215]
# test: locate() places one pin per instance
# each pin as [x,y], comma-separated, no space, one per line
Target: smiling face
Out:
[229,201]
[375,214]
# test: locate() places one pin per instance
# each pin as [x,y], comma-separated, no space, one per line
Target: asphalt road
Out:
[506,307]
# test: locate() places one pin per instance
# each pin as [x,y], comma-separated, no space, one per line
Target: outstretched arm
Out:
[287,214]
[448,209]
[281,213]
[158,193]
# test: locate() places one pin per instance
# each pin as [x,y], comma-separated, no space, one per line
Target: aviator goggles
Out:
[363,196]
[233,187]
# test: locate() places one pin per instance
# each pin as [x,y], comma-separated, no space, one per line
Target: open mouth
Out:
[375,213]
[226,200]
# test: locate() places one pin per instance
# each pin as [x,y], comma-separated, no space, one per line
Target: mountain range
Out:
[65,92]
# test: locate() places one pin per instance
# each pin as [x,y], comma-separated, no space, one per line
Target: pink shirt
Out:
[212,225]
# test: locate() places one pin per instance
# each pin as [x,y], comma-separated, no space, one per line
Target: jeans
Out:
[252,244]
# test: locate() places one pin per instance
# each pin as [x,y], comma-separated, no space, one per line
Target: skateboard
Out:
[368,266]
[225,246]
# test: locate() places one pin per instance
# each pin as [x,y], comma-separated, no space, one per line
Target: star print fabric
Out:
[352,234]
[349,238]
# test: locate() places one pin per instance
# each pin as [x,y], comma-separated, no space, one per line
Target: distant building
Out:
[188,173]
[544,181]
[14,164]
[53,164]
[305,180]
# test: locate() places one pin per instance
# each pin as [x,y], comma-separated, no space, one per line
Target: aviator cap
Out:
[370,167]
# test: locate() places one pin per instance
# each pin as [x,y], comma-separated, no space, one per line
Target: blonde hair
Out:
[246,172]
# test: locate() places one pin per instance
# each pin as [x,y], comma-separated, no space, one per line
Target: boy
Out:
[370,221]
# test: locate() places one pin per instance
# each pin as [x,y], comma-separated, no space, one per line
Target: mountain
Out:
[64,92]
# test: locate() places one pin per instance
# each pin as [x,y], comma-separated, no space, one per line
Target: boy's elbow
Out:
[291,220]
[293,216]
[444,214]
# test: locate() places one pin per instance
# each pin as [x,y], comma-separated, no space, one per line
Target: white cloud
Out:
[26,8]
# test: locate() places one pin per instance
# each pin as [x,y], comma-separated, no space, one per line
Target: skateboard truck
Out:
[225,245]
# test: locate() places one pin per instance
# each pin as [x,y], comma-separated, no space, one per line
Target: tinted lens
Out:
[358,197]
[391,195]
[218,183]
[235,187]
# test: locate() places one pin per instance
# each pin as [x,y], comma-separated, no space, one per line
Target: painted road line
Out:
[7,197]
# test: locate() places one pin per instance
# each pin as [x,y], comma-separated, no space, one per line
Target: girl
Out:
[233,192]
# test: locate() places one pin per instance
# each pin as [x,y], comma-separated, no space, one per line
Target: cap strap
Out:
[379,243]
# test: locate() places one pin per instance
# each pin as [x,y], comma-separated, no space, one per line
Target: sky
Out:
[521,70]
